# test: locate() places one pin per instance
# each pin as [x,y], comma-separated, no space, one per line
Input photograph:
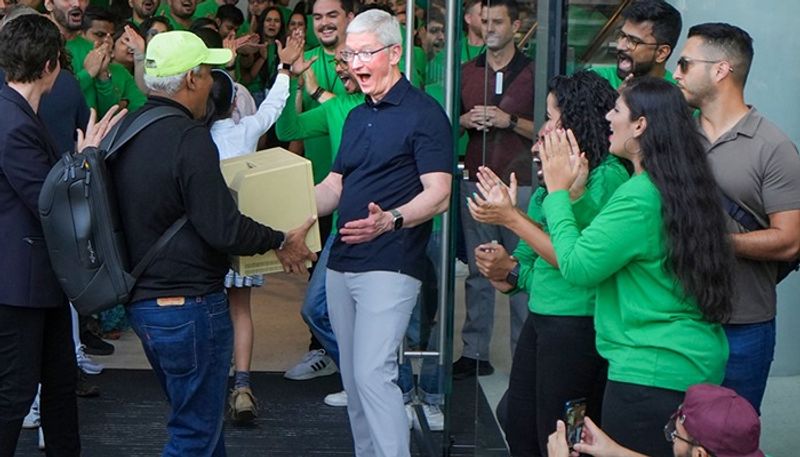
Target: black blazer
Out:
[26,156]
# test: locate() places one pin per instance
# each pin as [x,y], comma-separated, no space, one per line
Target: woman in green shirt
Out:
[555,360]
[657,253]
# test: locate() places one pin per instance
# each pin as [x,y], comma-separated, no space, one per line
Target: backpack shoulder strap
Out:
[740,214]
[159,244]
[119,136]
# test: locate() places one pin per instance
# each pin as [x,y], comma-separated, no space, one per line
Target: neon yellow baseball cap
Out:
[172,53]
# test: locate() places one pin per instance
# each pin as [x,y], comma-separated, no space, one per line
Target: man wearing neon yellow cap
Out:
[179,308]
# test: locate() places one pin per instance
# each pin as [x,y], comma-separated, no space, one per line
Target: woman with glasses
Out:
[234,139]
[658,254]
[558,335]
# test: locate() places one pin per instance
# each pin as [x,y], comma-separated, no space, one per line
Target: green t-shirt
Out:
[324,121]
[78,48]
[550,293]
[318,149]
[175,24]
[648,331]
[609,72]
[468,51]
[121,86]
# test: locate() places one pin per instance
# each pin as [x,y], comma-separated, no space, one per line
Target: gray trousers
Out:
[479,293]
[369,314]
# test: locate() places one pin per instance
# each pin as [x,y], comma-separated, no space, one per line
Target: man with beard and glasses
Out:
[500,130]
[645,41]
[757,168]
[712,421]
[142,9]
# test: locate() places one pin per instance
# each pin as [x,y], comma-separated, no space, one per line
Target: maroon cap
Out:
[721,421]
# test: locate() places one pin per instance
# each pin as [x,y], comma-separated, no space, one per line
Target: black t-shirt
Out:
[170,169]
[385,148]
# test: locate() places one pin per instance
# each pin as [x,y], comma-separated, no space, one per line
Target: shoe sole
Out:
[327,371]
[91,372]
[334,404]
[244,417]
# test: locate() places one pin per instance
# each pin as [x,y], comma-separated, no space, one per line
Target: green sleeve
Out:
[602,183]
[120,87]
[524,254]
[86,83]
[311,123]
[106,95]
[611,241]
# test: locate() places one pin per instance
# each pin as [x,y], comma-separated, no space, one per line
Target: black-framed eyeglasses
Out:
[364,56]
[631,42]
[684,63]
[671,431]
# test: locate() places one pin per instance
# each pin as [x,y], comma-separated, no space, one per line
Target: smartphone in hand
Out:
[574,413]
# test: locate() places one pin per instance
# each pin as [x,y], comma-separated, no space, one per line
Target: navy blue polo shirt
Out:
[385,148]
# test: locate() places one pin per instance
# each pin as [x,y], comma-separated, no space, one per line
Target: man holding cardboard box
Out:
[396,153]
[179,308]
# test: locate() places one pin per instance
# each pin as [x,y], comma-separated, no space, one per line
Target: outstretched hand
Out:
[295,253]
[295,44]
[376,223]
[96,131]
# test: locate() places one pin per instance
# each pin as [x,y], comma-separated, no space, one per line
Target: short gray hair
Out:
[167,84]
[382,24]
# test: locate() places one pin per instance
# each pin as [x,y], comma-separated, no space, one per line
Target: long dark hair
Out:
[260,24]
[269,71]
[584,99]
[697,240]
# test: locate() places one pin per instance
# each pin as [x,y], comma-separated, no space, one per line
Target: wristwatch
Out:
[283,241]
[285,66]
[512,121]
[513,276]
[397,219]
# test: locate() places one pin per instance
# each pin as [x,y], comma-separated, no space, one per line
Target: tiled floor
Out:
[282,339]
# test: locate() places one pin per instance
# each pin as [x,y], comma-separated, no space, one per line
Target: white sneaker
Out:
[314,364]
[336,399]
[462,269]
[86,364]
[434,416]
[41,439]
[410,415]
[33,420]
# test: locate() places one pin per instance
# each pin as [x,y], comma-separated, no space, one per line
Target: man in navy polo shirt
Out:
[391,176]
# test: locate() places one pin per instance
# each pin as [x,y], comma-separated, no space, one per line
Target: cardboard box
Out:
[276,188]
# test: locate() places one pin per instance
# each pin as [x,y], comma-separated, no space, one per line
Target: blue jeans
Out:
[189,346]
[315,305]
[423,334]
[752,347]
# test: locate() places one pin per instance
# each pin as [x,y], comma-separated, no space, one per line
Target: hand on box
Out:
[294,254]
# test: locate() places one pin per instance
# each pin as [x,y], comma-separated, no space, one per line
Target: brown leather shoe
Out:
[242,405]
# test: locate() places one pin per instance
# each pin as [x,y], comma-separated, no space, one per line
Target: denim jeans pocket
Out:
[175,347]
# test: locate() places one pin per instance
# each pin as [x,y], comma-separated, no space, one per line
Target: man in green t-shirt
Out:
[472,44]
[645,41]
[113,83]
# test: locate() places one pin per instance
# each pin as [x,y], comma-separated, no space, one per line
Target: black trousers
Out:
[36,346]
[555,361]
[635,415]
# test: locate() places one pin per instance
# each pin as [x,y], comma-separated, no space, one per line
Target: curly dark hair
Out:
[584,99]
[699,253]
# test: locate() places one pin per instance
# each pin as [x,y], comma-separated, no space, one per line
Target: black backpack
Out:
[82,229]
[749,222]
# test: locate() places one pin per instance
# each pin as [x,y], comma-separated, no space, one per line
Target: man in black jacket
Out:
[35,325]
[179,308]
